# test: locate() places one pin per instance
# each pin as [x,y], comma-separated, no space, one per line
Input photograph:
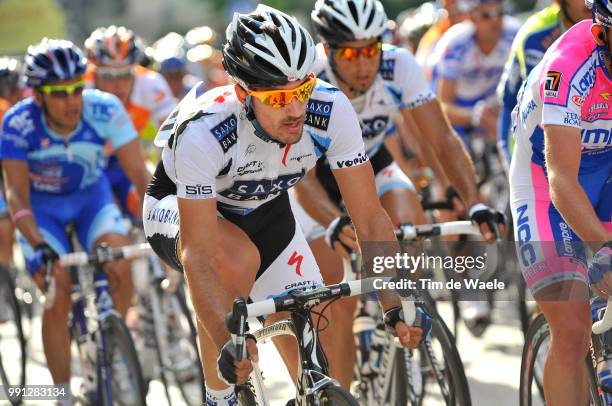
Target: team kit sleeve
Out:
[346,148]
[198,158]
[14,139]
[415,89]
[561,101]
[119,128]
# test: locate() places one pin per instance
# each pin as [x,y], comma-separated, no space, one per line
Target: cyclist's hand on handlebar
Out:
[453,198]
[43,256]
[492,223]
[409,336]
[341,236]
[236,372]
[600,271]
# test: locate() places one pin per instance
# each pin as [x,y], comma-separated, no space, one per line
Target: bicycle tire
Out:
[155,302]
[537,333]
[332,395]
[457,385]
[7,289]
[118,337]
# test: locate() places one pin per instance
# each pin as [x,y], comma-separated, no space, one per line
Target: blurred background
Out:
[24,22]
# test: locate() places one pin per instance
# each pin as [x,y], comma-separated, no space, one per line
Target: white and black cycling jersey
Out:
[210,149]
[400,84]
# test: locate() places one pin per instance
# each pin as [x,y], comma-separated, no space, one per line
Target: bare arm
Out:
[197,251]
[314,199]
[134,167]
[436,131]
[447,91]
[17,184]
[563,153]
[370,219]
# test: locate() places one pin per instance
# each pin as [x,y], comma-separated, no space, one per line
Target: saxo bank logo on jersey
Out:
[226,132]
[261,189]
[370,128]
[318,113]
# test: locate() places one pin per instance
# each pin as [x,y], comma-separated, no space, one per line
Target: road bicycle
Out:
[386,374]
[314,386]
[13,352]
[110,368]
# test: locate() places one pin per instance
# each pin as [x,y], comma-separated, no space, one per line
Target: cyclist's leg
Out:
[55,334]
[556,276]
[237,261]
[398,196]
[287,263]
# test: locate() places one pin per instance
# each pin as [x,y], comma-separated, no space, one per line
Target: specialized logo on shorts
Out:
[318,113]
[198,190]
[387,69]
[226,132]
[361,158]
[261,189]
[553,82]
[296,260]
[370,128]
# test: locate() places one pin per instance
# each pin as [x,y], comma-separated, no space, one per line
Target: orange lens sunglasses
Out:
[281,98]
[351,54]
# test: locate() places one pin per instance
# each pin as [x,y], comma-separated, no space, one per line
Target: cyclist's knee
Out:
[403,206]
[571,334]
[329,262]
[58,312]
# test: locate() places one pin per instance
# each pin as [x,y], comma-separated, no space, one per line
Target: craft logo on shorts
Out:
[318,113]
[226,132]
[553,82]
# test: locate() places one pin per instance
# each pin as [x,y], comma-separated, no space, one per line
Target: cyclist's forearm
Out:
[315,201]
[569,198]
[459,116]
[25,223]
[208,296]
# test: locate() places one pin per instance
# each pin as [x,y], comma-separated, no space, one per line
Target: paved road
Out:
[491,363]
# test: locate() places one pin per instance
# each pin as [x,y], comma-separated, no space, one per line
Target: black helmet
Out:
[267,48]
[338,21]
[602,11]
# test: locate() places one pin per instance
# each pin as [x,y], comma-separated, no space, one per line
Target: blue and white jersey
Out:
[458,57]
[400,84]
[64,164]
[210,149]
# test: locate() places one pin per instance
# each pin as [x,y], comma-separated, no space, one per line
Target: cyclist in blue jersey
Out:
[533,39]
[52,157]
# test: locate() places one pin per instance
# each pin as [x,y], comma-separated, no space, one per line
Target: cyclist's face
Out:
[120,86]
[63,111]
[577,10]
[360,72]
[284,124]
[487,19]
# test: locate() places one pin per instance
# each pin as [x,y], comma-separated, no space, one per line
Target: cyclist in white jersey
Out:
[383,83]
[218,207]
[561,192]
[469,61]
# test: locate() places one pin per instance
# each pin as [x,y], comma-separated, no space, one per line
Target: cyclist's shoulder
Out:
[457,35]
[100,107]
[150,88]
[540,26]
[20,118]
[510,27]
[575,49]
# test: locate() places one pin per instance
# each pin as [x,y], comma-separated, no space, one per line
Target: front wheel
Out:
[335,396]
[126,385]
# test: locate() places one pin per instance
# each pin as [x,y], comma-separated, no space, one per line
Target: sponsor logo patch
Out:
[553,82]
[226,132]
[318,113]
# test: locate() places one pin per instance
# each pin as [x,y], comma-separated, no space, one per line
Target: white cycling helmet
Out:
[267,48]
[338,21]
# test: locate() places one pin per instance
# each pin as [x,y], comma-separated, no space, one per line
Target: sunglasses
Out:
[63,91]
[114,73]
[489,14]
[351,54]
[281,98]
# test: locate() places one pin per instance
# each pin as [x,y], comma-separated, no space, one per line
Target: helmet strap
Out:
[259,131]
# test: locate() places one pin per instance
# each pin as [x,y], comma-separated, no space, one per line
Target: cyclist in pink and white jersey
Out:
[561,190]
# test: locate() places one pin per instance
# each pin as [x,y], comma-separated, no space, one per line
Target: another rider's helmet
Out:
[267,48]
[10,72]
[338,21]
[113,46]
[53,60]
[169,53]
[602,11]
